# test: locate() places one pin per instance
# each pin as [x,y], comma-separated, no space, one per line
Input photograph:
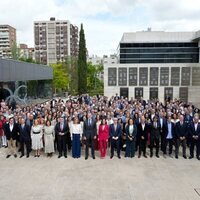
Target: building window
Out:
[195,76]
[154,76]
[183,94]
[132,76]
[164,76]
[175,76]
[143,76]
[138,93]
[185,78]
[112,76]
[122,76]
[168,93]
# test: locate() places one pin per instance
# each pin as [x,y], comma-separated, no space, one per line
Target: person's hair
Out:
[76,118]
[102,121]
[47,122]
[130,120]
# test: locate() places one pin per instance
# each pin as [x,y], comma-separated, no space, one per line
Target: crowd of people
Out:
[109,125]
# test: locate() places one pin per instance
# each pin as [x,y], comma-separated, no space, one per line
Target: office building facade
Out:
[7,40]
[156,65]
[55,40]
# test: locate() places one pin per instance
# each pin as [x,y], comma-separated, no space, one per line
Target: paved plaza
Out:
[128,179]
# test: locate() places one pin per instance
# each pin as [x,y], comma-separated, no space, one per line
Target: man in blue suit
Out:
[115,136]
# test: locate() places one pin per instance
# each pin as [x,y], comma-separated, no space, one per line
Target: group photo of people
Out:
[81,126]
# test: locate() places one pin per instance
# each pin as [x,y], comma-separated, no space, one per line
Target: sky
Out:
[104,21]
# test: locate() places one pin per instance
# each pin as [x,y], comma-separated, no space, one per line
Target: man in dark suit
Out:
[195,137]
[155,136]
[169,136]
[61,131]
[180,136]
[162,124]
[11,132]
[89,134]
[115,136]
[25,138]
[143,129]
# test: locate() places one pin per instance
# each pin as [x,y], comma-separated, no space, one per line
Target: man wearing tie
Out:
[25,138]
[168,140]
[195,137]
[142,137]
[61,131]
[89,135]
[115,136]
[180,136]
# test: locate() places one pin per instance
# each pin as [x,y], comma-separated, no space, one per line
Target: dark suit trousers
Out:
[194,143]
[115,144]
[166,143]
[154,141]
[130,148]
[62,144]
[89,142]
[162,141]
[177,144]
[142,146]
[26,142]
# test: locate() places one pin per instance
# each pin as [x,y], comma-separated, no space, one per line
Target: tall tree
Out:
[82,63]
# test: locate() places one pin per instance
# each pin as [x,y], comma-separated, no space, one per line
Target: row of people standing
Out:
[159,130]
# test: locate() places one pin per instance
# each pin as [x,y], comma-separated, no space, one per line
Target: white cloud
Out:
[104,20]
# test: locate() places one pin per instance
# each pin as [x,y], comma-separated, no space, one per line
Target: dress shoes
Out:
[21,156]
[157,156]
[176,157]
[185,157]
[145,156]
[86,157]
[93,157]
[27,155]
[111,156]
[198,158]
[15,155]
[65,156]
[139,156]
[191,157]
[59,156]
[7,156]
[119,157]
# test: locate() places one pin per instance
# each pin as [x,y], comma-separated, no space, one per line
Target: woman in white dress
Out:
[49,136]
[36,137]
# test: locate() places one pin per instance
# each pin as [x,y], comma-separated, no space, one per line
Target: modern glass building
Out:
[156,64]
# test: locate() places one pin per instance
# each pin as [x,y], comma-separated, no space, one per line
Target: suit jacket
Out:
[155,131]
[181,131]
[89,130]
[24,133]
[192,130]
[11,134]
[65,129]
[133,135]
[142,132]
[103,134]
[117,132]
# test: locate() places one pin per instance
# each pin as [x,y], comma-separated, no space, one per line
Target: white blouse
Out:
[76,129]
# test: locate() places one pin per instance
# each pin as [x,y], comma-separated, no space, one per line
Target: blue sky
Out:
[104,21]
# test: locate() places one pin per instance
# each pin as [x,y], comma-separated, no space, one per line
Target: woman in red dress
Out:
[103,137]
